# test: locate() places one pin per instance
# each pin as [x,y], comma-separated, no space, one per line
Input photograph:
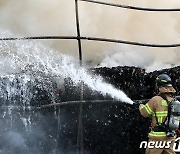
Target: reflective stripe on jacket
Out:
[159,106]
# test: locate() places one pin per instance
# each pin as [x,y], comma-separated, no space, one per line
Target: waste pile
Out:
[107,126]
[112,127]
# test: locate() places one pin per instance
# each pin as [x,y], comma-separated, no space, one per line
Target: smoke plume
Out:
[57,17]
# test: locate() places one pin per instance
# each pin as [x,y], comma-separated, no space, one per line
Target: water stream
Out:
[28,67]
[31,57]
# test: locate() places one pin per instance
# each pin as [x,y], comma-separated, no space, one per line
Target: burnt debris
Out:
[113,127]
[134,81]
[107,127]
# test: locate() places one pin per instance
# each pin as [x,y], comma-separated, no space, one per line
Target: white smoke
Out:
[126,56]
[57,17]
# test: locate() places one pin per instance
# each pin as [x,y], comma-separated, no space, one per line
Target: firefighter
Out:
[157,108]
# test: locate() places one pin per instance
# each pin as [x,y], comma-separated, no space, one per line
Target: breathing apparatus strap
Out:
[169,112]
[169,109]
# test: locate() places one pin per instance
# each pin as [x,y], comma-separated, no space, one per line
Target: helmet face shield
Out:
[168,85]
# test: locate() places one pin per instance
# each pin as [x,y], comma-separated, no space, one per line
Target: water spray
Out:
[32,65]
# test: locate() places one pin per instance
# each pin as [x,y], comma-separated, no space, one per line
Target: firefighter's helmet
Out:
[163,80]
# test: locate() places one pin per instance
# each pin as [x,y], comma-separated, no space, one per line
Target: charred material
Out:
[135,82]
[113,128]
[108,127]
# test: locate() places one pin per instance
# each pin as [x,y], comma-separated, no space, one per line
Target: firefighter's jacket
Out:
[159,106]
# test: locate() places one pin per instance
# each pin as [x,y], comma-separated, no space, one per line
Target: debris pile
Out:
[113,127]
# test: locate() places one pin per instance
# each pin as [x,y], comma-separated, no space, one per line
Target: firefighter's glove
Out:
[141,106]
